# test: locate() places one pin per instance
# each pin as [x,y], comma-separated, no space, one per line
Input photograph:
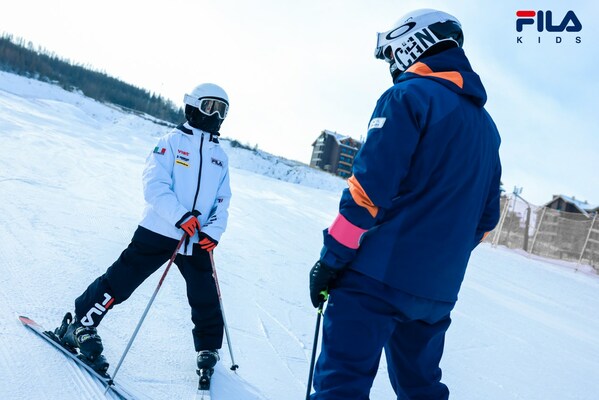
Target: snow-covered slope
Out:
[70,198]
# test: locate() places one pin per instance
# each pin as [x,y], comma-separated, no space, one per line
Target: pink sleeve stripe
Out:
[345,232]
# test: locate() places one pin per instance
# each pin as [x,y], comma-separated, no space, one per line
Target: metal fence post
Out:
[500,225]
[527,223]
[534,239]
[526,229]
[586,242]
[509,226]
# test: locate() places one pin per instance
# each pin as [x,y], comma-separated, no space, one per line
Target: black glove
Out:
[320,278]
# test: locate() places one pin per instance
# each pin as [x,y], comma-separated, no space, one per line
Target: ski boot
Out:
[73,335]
[207,359]
[59,332]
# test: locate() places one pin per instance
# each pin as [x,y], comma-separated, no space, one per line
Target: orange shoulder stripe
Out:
[485,236]
[360,196]
[422,69]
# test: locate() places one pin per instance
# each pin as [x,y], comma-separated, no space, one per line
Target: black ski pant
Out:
[146,253]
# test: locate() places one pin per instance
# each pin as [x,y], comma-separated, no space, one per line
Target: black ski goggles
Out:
[209,105]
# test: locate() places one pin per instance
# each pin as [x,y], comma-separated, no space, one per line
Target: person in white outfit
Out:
[187,192]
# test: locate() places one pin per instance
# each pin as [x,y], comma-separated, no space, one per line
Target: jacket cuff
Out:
[185,217]
[334,254]
[212,231]
[346,233]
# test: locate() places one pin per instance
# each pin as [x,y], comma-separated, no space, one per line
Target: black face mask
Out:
[394,71]
[198,120]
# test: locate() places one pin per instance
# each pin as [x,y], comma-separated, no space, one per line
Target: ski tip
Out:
[26,320]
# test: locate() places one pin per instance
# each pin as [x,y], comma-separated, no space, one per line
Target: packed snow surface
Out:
[70,199]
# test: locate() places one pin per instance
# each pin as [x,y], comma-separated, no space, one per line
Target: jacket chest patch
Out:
[182,158]
[217,162]
[159,150]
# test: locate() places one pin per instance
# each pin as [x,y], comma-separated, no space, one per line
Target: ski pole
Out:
[222,310]
[168,266]
[317,330]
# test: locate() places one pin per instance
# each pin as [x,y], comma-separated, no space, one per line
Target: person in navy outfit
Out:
[424,192]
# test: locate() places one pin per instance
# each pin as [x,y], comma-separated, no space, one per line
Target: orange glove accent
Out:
[191,225]
[206,242]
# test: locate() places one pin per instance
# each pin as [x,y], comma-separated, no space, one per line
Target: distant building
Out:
[334,153]
[572,205]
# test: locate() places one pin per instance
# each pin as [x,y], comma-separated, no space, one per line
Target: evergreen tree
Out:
[19,57]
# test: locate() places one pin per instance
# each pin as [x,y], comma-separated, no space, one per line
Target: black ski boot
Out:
[73,335]
[59,332]
[207,359]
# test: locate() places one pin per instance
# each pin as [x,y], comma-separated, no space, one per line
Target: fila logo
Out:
[544,20]
[97,309]
[217,162]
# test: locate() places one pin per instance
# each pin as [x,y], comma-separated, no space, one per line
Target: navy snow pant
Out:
[362,317]
[147,252]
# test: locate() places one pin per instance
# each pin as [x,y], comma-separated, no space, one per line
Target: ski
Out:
[204,384]
[51,338]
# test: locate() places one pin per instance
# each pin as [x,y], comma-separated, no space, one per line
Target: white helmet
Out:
[206,107]
[216,99]
[414,34]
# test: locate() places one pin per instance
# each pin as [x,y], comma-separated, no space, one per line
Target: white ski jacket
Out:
[187,171]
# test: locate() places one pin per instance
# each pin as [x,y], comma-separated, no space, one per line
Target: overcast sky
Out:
[293,68]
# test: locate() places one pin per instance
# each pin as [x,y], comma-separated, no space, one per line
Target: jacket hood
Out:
[452,69]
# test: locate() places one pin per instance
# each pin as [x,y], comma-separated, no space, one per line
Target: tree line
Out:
[22,58]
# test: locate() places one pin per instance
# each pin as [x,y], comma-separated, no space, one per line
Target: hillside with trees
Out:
[20,57]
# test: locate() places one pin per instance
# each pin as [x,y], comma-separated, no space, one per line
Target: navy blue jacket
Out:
[425,185]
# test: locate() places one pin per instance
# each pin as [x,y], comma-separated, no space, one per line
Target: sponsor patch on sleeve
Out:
[376,123]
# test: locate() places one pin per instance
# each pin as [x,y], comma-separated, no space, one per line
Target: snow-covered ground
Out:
[70,198]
